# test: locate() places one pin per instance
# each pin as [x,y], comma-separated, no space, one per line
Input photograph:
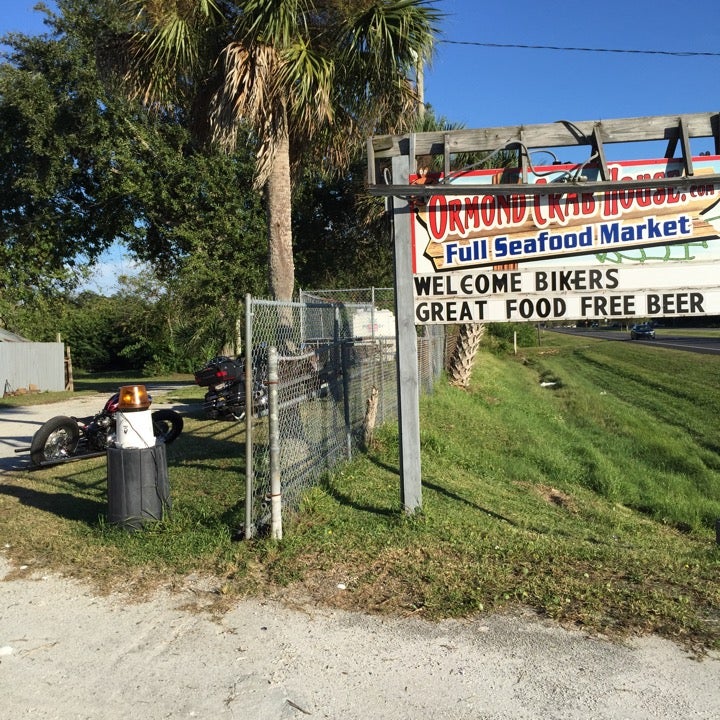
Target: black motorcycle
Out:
[64,438]
[313,375]
[224,379]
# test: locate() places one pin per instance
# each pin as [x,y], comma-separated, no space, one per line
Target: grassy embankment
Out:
[591,500]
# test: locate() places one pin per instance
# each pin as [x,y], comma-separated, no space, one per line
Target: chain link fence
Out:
[335,380]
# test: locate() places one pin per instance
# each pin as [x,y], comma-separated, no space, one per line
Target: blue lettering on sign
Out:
[543,243]
[650,229]
[647,231]
[456,253]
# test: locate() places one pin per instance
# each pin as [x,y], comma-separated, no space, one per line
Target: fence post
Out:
[249,469]
[337,359]
[344,365]
[69,382]
[275,489]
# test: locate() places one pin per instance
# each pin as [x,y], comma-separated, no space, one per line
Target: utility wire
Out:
[678,53]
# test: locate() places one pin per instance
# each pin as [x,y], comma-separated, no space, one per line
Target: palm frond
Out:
[167,47]
[250,94]
[278,22]
[394,33]
[248,88]
[382,47]
[309,76]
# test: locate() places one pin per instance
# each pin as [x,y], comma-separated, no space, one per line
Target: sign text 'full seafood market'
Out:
[460,231]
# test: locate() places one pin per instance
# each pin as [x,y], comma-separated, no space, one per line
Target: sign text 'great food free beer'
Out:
[538,293]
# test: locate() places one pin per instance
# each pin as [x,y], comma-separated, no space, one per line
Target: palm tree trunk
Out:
[277,195]
[463,357]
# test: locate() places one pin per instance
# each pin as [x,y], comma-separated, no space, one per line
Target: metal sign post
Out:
[406,356]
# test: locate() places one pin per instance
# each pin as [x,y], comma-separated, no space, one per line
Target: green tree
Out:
[82,168]
[342,236]
[310,78]
[57,130]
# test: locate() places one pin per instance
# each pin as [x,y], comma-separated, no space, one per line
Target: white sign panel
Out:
[640,252]
[540,292]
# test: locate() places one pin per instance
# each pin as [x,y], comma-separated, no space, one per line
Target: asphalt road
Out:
[664,337]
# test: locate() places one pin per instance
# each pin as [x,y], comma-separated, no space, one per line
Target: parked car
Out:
[642,332]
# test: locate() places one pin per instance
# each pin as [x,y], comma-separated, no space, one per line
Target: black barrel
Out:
[138,487]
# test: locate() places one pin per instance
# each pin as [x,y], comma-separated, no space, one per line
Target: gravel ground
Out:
[66,653]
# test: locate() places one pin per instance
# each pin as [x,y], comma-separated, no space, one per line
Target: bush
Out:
[502,335]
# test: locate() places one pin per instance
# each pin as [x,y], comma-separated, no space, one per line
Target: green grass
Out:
[689,332]
[591,501]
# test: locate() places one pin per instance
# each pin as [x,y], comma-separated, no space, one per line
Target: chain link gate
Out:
[335,352]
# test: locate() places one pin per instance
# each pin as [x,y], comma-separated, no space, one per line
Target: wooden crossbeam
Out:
[557,134]
[675,129]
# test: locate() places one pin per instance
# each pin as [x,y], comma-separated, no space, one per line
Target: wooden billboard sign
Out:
[459,221]
[594,214]
[472,229]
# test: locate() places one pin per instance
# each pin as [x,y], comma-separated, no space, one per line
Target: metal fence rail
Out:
[333,355]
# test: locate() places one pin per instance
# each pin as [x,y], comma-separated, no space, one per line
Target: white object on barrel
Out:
[133,419]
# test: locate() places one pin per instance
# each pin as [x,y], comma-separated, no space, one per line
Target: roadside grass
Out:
[651,414]
[42,398]
[688,332]
[580,479]
[110,382]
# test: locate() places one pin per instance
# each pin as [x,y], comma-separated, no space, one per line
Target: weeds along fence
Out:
[333,379]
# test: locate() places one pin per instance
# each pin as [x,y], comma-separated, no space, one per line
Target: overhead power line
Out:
[674,53]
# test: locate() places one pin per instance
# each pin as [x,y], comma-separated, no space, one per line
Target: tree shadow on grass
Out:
[454,496]
[64,505]
[443,491]
[345,499]
[207,453]
[67,485]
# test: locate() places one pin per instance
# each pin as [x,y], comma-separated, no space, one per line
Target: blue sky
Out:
[19,16]
[488,86]
[480,86]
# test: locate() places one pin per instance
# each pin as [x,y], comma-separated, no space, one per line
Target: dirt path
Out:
[65,653]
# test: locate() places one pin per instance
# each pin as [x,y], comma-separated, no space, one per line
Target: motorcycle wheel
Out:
[167,425]
[56,440]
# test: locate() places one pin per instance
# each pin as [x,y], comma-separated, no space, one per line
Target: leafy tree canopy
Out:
[342,236]
[81,168]
[59,196]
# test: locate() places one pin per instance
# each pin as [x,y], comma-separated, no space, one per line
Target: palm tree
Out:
[308,79]
[469,335]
